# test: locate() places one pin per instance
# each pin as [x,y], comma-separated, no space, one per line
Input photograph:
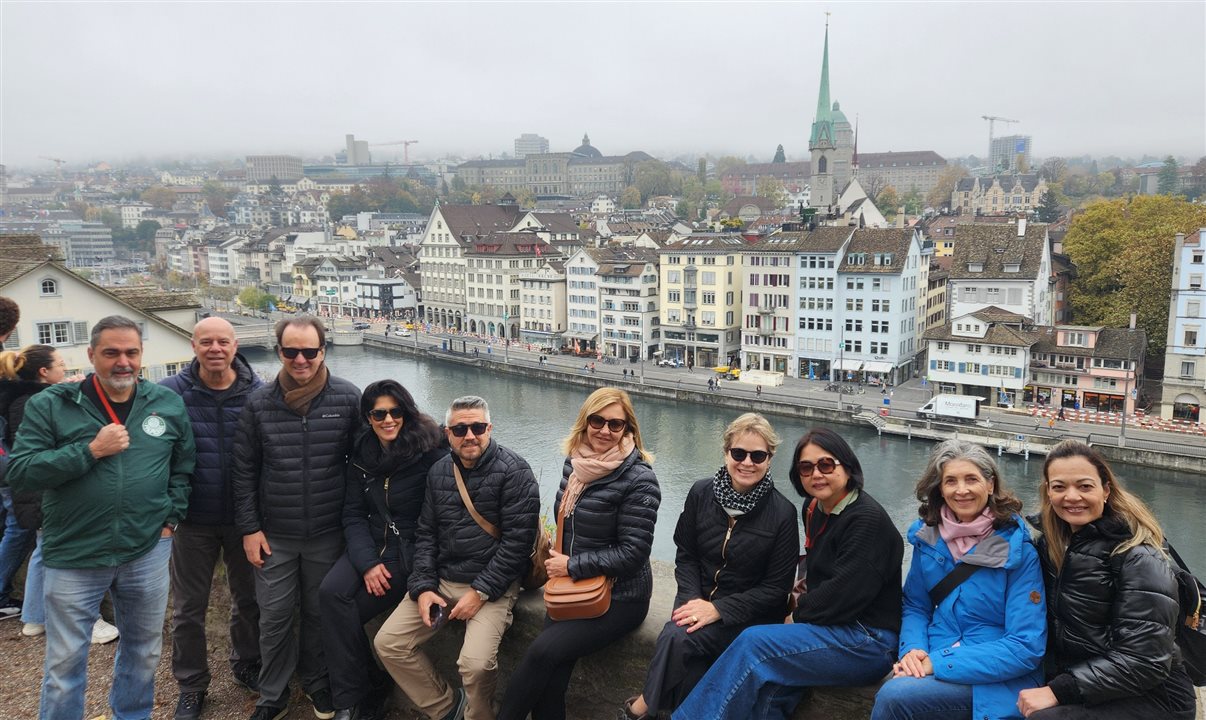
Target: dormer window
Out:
[1013,267]
[50,287]
[975,267]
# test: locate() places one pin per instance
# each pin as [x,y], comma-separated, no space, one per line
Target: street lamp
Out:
[1126,392]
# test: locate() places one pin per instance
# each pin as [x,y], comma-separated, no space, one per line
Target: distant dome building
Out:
[586,150]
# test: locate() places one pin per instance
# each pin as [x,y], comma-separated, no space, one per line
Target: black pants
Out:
[346,606]
[680,660]
[541,679]
[1176,699]
[195,552]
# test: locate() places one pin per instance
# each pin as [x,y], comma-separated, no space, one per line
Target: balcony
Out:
[766,310]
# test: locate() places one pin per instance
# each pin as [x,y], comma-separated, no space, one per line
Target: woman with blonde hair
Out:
[738,544]
[609,497]
[1112,600]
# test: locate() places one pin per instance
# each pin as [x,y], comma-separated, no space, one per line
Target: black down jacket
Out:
[452,546]
[14,394]
[215,418]
[369,540]
[610,530]
[289,471]
[746,572]
[1110,618]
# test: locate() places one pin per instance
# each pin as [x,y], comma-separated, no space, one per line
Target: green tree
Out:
[1048,209]
[913,203]
[653,177]
[630,199]
[110,219]
[256,299]
[780,156]
[701,171]
[162,198]
[216,197]
[771,187]
[145,232]
[1169,178]
[940,195]
[1123,254]
[1053,170]
[887,201]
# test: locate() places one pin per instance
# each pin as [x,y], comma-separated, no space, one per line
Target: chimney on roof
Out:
[1133,320]
[1021,227]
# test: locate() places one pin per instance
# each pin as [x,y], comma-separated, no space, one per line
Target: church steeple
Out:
[822,125]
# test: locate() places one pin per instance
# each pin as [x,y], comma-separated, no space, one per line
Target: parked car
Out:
[670,362]
[361,326]
[402,332]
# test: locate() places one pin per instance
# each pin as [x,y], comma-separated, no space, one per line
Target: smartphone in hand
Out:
[438,615]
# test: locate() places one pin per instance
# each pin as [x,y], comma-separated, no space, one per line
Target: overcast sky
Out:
[117,81]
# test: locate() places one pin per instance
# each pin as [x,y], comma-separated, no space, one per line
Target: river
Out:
[532,416]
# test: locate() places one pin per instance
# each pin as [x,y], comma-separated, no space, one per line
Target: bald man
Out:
[214,387]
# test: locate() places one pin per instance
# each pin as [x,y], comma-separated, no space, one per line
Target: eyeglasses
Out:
[756,456]
[380,413]
[308,353]
[461,430]
[826,465]
[598,421]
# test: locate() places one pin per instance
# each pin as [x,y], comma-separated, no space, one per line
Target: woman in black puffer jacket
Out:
[386,481]
[1111,600]
[610,498]
[738,544]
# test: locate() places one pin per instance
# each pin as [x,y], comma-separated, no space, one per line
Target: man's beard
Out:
[123,382]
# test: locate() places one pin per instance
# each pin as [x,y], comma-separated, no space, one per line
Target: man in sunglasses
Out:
[462,570]
[290,456]
[215,387]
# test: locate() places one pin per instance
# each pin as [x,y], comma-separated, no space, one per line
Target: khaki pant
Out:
[399,645]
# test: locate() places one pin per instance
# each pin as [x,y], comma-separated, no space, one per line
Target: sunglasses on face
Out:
[380,413]
[308,353]
[756,456]
[597,422]
[825,465]
[461,430]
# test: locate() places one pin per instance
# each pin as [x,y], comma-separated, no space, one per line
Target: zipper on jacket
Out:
[573,533]
[389,526]
[305,423]
[724,556]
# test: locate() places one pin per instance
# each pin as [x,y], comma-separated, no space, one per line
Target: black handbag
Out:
[1191,632]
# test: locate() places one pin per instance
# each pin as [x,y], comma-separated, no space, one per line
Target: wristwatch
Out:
[484,597]
[171,526]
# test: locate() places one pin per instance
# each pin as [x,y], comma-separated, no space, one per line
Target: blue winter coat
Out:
[991,631]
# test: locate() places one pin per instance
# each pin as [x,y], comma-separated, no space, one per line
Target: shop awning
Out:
[849,365]
[877,367]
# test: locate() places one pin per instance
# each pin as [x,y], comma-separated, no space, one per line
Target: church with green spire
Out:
[831,143]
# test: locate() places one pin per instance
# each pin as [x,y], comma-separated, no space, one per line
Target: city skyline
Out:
[121,81]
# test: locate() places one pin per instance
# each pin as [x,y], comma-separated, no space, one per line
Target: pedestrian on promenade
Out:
[214,387]
[113,499]
[611,494]
[711,382]
[758,391]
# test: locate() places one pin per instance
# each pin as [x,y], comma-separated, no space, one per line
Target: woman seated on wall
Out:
[1112,600]
[974,625]
[844,629]
[737,549]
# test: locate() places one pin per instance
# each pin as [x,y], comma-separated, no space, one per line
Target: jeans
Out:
[140,590]
[767,670]
[927,698]
[33,607]
[13,546]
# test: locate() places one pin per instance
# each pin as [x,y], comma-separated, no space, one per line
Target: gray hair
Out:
[113,322]
[467,402]
[1001,503]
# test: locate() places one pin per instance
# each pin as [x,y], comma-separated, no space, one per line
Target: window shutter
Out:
[983,369]
[933,364]
[1017,372]
[962,367]
[13,342]
[79,332]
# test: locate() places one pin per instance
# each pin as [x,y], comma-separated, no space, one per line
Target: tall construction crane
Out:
[58,163]
[993,119]
[405,147]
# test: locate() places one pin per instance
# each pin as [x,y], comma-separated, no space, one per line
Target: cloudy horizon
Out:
[89,82]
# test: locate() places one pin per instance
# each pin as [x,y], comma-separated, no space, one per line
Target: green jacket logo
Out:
[154,426]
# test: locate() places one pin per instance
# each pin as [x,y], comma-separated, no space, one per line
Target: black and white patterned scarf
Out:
[722,487]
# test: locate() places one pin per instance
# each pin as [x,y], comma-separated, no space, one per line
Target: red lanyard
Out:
[105,402]
[809,536]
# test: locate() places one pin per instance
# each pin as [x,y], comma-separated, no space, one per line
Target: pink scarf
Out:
[961,537]
[588,466]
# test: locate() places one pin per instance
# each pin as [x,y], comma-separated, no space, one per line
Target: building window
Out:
[54,333]
[1187,369]
[50,287]
[1195,282]
[1191,338]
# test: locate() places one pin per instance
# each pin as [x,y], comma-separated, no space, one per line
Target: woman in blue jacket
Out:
[969,655]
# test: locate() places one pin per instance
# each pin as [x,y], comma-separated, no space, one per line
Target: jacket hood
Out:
[1002,549]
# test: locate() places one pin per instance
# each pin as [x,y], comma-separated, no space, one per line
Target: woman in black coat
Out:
[738,544]
[609,496]
[1111,600]
[386,481]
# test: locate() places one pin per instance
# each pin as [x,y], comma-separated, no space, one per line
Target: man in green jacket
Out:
[113,455]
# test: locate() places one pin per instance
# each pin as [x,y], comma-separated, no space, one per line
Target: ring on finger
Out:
[694,619]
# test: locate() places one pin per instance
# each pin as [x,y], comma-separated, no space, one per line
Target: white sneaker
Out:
[103,632]
[33,629]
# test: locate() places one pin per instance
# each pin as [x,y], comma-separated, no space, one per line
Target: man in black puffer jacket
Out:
[214,388]
[290,461]
[461,567]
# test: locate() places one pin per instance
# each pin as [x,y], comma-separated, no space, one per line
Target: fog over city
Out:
[122,81]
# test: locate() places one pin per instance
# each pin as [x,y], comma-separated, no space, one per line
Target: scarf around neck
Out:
[730,499]
[588,466]
[297,396]
[961,537]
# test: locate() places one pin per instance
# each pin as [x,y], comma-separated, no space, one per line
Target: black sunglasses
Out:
[598,421]
[308,353]
[379,414]
[757,456]
[463,429]
[826,465]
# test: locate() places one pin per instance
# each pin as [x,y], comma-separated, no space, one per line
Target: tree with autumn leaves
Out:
[1123,252]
